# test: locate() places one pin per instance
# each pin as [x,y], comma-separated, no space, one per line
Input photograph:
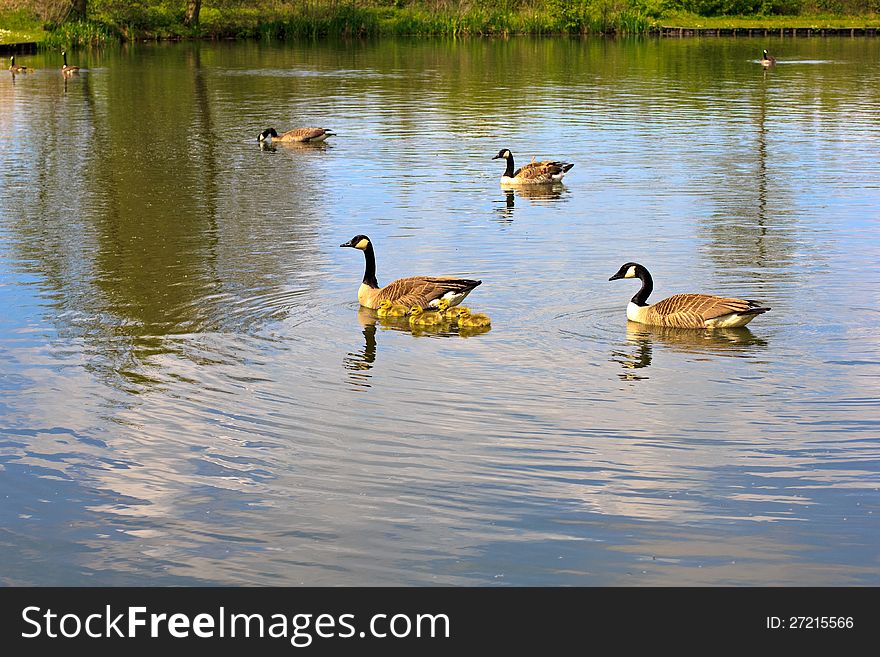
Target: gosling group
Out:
[444,315]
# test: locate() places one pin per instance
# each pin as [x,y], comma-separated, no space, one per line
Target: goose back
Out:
[697,311]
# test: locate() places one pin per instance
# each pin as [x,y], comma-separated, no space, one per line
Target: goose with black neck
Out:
[422,291]
[685,310]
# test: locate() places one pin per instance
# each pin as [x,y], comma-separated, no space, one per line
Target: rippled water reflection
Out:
[190,394]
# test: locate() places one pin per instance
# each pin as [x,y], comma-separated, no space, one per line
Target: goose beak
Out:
[348,243]
[497,157]
[616,276]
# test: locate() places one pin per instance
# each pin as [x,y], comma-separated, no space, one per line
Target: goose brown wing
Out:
[694,310]
[541,170]
[303,134]
[422,290]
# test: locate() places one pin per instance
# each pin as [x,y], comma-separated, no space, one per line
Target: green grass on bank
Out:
[114,20]
[20,27]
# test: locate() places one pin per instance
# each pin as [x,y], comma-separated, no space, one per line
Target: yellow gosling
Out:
[450,314]
[418,317]
[467,320]
[388,309]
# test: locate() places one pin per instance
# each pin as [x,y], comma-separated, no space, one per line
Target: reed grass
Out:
[79,34]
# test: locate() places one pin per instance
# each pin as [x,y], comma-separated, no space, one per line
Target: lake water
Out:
[189,393]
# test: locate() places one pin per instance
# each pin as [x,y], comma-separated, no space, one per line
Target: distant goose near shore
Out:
[16,68]
[685,310]
[421,291]
[68,70]
[297,135]
[533,173]
[767,60]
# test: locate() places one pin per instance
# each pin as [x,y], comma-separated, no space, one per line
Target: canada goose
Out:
[767,60]
[68,70]
[685,310]
[533,173]
[450,313]
[466,320]
[418,317]
[422,291]
[388,309]
[299,135]
[16,68]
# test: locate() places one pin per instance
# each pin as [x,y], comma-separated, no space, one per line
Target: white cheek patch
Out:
[361,245]
[630,273]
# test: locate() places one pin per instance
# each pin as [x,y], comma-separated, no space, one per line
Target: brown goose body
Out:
[297,135]
[545,172]
[421,291]
[685,310]
[68,70]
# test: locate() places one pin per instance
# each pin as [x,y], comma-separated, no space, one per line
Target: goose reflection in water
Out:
[304,147]
[538,194]
[731,342]
[359,363]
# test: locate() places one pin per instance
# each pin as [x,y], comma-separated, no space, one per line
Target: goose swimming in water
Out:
[767,60]
[685,310]
[422,291]
[17,68]
[68,70]
[298,135]
[534,173]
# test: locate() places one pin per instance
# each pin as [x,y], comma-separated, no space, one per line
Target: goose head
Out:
[629,270]
[503,154]
[267,134]
[357,242]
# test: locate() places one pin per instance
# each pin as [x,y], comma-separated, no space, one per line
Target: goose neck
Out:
[370,269]
[641,297]
[509,171]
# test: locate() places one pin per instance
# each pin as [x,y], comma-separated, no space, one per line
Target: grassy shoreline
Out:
[316,20]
